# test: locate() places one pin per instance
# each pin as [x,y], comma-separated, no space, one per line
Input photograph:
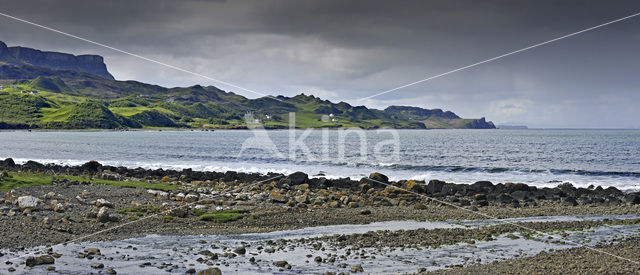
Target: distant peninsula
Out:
[50,90]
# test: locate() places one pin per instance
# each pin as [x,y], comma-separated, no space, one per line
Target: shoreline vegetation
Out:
[52,204]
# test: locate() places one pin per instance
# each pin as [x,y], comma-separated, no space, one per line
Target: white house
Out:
[33,92]
[330,115]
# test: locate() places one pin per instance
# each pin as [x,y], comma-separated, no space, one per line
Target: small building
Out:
[170,100]
[34,92]
[267,116]
[335,120]
[330,115]
[24,92]
[1,87]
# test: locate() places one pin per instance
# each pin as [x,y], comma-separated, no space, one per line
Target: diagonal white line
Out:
[500,56]
[145,218]
[136,55]
[506,222]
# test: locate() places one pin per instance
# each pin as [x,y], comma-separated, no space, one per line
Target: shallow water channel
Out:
[156,254]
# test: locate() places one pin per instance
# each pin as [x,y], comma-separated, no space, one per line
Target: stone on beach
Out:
[27,202]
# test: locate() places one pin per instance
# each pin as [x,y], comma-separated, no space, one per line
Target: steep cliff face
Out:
[480,124]
[93,64]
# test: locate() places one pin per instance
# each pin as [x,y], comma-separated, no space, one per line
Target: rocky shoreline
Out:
[213,203]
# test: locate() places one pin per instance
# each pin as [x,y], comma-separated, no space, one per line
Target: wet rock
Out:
[97,265]
[92,251]
[191,271]
[297,178]
[110,271]
[240,250]
[435,186]
[27,202]
[415,186]
[283,264]
[379,177]
[210,271]
[40,260]
[633,198]
[317,259]
[357,268]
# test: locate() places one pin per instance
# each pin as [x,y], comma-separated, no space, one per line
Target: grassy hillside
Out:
[34,97]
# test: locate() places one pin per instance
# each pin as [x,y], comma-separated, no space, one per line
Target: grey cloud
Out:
[345,50]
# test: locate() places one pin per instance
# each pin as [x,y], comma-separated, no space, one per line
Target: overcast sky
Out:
[346,50]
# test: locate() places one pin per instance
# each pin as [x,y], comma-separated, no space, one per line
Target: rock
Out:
[435,186]
[379,177]
[92,251]
[365,212]
[277,197]
[302,198]
[240,250]
[44,259]
[110,271]
[27,202]
[633,198]
[210,271]
[280,263]
[103,202]
[97,265]
[91,166]
[103,214]
[191,198]
[570,201]
[317,259]
[357,268]
[50,268]
[415,186]
[179,212]
[59,208]
[191,271]
[297,178]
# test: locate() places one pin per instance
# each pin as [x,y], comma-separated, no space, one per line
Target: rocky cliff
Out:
[93,64]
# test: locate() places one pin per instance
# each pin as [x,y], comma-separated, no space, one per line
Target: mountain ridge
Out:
[79,100]
[18,55]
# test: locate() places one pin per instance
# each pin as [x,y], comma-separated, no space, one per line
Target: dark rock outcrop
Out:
[93,64]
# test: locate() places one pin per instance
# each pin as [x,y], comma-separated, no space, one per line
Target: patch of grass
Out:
[139,210]
[15,180]
[20,179]
[223,216]
[199,212]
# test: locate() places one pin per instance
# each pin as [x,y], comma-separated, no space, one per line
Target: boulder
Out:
[40,260]
[435,186]
[297,178]
[379,177]
[415,186]
[103,202]
[633,198]
[240,250]
[27,202]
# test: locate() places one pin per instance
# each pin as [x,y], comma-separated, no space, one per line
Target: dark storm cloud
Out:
[345,50]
